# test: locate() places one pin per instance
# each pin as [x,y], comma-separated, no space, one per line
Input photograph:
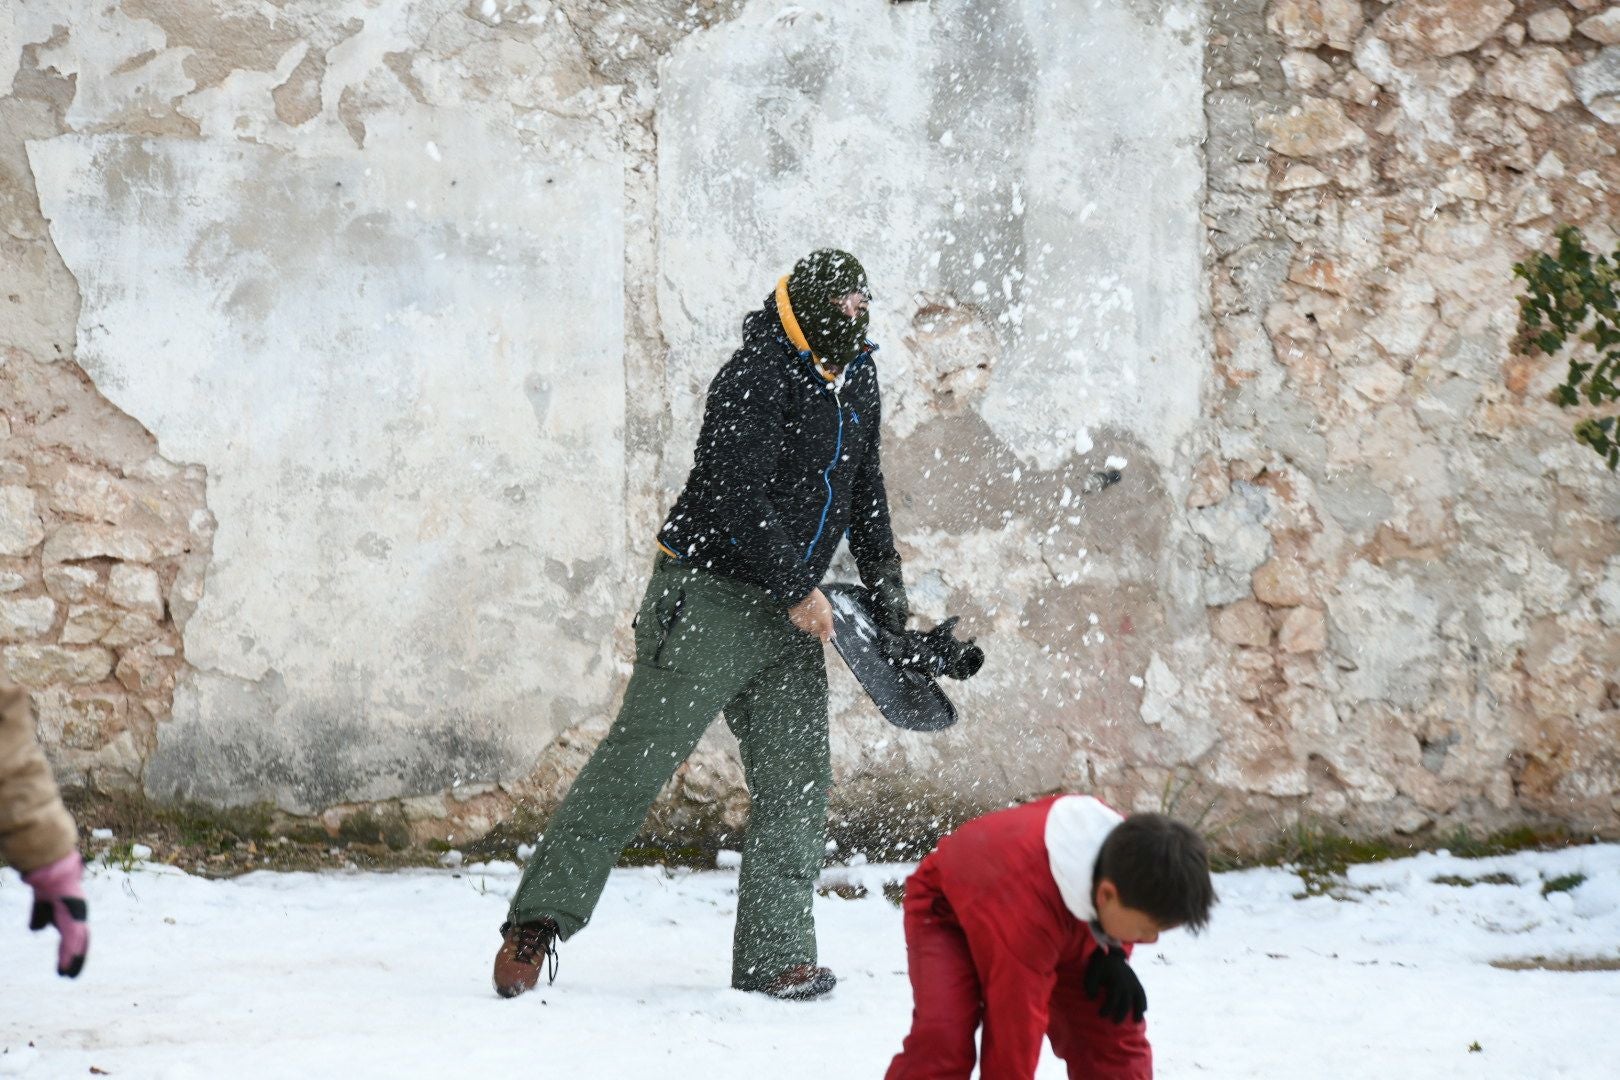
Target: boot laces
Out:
[534,942]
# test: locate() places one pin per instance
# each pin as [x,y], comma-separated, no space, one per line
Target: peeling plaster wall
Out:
[316,530]
[418,474]
[409,469]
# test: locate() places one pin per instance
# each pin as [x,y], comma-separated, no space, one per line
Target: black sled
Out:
[900,672]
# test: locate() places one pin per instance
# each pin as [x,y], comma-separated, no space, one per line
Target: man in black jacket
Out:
[733,619]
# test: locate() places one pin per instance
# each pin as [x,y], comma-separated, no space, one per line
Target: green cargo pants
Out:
[705,642]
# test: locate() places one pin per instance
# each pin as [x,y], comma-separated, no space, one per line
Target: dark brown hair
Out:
[1160,867]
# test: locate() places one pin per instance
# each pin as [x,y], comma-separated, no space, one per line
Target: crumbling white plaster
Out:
[402,369]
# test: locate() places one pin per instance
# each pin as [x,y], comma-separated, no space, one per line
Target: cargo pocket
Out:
[668,621]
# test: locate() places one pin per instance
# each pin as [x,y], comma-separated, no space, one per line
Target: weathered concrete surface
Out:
[331,494]
[942,143]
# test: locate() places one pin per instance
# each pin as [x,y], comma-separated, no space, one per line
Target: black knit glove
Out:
[1109,979]
[958,659]
[934,652]
[890,606]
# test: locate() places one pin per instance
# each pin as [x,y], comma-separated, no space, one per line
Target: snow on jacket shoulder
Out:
[786,462]
[1019,882]
[35,829]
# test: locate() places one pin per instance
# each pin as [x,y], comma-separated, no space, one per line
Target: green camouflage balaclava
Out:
[819,281]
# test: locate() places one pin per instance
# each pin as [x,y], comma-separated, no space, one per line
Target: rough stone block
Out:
[26,617]
[1307,24]
[73,543]
[1538,76]
[132,629]
[1303,630]
[87,624]
[1253,674]
[82,719]
[89,493]
[1242,623]
[1388,628]
[1209,484]
[118,765]
[1317,127]
[1238,542]
[1284,582]
[1603,28]
[1551,25]
[72,584]
[142,670]
[1306,71]
[1607,595]
[1444,27]
[137,588]
[39,666]
[1597,84]
[424,808]
[21,529]
[1356,87]
[1302,177]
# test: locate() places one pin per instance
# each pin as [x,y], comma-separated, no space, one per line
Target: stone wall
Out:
[1421,624]
[352,353]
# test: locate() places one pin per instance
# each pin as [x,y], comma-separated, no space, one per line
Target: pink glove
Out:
[59,901]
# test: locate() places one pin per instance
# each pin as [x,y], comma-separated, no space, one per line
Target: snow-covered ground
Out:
[387,975]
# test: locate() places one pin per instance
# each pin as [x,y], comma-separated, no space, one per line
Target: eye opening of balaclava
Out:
[818,282]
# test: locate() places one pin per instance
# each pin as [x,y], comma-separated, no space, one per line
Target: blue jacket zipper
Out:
[826,475]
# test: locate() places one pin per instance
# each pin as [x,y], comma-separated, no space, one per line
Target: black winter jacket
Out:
[785,464]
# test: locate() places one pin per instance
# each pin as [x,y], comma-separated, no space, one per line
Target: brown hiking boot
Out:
[802,983]
[524,948]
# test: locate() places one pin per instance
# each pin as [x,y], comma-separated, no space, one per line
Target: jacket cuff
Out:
[792,593]
[42,840]
[791,582]
[888,569]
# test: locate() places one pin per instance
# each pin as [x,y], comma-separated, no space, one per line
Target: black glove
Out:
[890,607]
[935,652]
[958,659]
[1109,978]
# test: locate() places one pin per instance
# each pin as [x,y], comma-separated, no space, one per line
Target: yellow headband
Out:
[790,323]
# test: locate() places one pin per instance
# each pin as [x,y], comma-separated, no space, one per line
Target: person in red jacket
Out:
[1022,922]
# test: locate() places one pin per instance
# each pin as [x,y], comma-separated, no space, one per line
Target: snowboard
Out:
[907,699]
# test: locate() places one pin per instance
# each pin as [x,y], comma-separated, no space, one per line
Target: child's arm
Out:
[35,830]
[1016,1011]
[1092,1045]
[37,836]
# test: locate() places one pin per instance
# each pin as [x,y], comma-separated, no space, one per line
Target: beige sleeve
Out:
[35,828]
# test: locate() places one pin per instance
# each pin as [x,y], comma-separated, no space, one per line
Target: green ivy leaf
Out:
[1574,295]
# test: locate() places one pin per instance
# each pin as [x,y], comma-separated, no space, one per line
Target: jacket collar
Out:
[1076,827]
